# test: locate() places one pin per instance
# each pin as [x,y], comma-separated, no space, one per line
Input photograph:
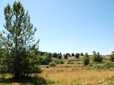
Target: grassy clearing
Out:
[65,74]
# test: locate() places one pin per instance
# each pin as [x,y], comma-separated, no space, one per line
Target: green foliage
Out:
[53,63]
[81,54]
[106,65]
[66,56]
[45,59]
[86,59]
[61,61]
[77,55]
[55,55]
[47,66]
[20,57]
[72,54]
[97,57]
[112,57]
[58,61]
[74,59]
[59,56]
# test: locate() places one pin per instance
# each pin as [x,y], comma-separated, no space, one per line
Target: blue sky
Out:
[70,26]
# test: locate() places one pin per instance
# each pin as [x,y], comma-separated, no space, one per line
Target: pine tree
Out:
[20,57]
[86,59]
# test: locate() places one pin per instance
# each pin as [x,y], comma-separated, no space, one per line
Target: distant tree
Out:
[60,53]
[59,56]
[20,57]
[66,56]
[96,57]
[72,54]
[112,56]
[41,53]
[77,55]
[86,59]
[55,55]
[82,54]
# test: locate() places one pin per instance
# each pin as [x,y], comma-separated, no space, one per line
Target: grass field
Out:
[66,74]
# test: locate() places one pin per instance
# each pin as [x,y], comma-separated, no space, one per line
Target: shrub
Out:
[65,56]
[61,62]
[72,54]
[47,66]
[86,59]
[97,57]
[55,55]
[77,55]
[59,56]
[55,60]
[53,63]
[106,65]
[82,54]
[112,57]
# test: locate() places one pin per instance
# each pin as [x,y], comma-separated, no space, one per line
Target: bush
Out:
[53,63]
[55,55]
[65,56]
[59,56]
[47,66]
[45,59]
[81,54]
[72,54]
[77,55]
[112,57]
[61,62]
[86,60]
[97,57]
[106,65]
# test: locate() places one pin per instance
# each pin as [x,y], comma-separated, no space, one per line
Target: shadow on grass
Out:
[35,80]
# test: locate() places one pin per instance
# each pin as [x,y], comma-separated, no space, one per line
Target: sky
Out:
[70,26]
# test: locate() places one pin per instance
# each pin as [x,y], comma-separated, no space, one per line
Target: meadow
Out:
[66,74]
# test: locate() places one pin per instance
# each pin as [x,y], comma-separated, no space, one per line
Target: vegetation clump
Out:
[53,63]
[107,65]
[97,57]
[86,59]
[77,55]
[112,57]
[66,56]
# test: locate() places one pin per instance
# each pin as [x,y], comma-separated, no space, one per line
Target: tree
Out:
[77,55]
[96,57]
[59,56]
[112,56]
[72,54]
[55,55]
[86,60]
[66,56]
[20,57]
[82,54]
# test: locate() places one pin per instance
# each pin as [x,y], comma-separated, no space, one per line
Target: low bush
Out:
[86,59]
[53,63]
[107,65]
[59,56]
[47,66]
[61,62]
[66,56]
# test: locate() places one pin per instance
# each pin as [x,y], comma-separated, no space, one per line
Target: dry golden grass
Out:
[75,75]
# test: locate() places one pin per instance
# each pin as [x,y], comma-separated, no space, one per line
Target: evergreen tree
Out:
[77,55]
[20,57]
[72,54]
[82,54]
[97,57]
[86,59]
[112,57]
